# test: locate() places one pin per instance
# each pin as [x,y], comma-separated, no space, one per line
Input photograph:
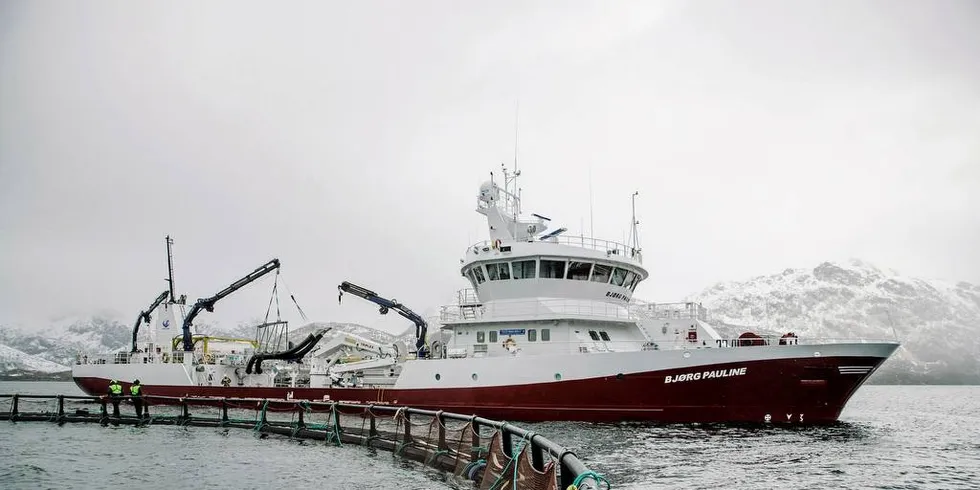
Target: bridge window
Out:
[524,269]
[600,273]
[619,276]
[498,270]
[545,334]
[604,335]
[630,280]
[478,275]
[579,271]
[481,337]
[532,335]
[593,334]
[552,269]
[493,336]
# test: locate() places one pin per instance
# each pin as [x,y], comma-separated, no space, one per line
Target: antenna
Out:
[170,269]
[591,221]
[634,237]
[517,172]
[517,112]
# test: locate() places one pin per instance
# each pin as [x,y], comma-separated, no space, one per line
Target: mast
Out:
[634,238]
[170,269]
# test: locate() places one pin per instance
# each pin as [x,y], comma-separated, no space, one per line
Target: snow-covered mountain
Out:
[13,360]
[937,322]
[62,339]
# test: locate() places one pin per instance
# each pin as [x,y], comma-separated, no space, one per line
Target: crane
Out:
[385,304]
[208,303]
[144,315]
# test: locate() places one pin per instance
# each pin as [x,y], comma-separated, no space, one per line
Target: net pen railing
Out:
[492,454]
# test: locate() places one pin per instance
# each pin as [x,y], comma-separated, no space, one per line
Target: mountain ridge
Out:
[936,321]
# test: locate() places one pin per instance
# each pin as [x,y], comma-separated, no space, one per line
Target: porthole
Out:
[474,376]
[687,354]
[557,376]
[619,376]
[438,376]
[816,354]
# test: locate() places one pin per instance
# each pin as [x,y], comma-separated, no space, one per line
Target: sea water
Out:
[894,437]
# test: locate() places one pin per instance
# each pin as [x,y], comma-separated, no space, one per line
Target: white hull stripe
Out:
[854,369]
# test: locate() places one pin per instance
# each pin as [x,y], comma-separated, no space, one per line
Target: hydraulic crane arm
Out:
[208,303]
[420,325]
[144,315]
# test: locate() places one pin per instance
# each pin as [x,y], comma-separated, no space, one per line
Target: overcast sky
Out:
[349,139]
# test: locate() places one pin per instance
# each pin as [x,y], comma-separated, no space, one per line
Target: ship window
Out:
[545,334]
[493,336]
[635,283]
[478,274]
[619,276]
[532,335]
[579,271]
[553,269]
[600,273]
[604,335]
[498,270]
[481,337]
[630,279]
[594,335]
[524,269]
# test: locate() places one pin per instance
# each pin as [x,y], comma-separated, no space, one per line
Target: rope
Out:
[292,297]
[274,296]
[511,461]
[599,479]
[258,424]
[333,433]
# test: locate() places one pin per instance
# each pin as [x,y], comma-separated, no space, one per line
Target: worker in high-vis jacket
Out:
[137,391]
[115,395]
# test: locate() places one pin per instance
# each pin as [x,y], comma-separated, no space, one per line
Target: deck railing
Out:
[470,309]
[608,247]
[470,447]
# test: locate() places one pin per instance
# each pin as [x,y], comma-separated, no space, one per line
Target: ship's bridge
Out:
[521,261]
[559,267]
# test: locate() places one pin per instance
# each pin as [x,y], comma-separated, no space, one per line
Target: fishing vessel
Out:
[548,330]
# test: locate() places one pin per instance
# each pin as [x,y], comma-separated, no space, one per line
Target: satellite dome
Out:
[489,192]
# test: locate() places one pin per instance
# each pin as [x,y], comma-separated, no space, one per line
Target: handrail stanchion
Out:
[537,455]
[13,407]
[506,440]
[475,453]
[442,431]
[61,407]
[105,412]
[373,429]
[408,425]
[224,411]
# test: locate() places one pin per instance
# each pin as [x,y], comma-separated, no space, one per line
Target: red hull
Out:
[803,390]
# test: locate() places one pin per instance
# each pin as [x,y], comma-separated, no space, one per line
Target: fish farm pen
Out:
[492,454]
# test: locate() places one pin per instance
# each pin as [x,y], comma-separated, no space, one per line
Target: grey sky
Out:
[349,139]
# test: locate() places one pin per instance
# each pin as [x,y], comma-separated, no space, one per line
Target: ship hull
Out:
[811,389]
